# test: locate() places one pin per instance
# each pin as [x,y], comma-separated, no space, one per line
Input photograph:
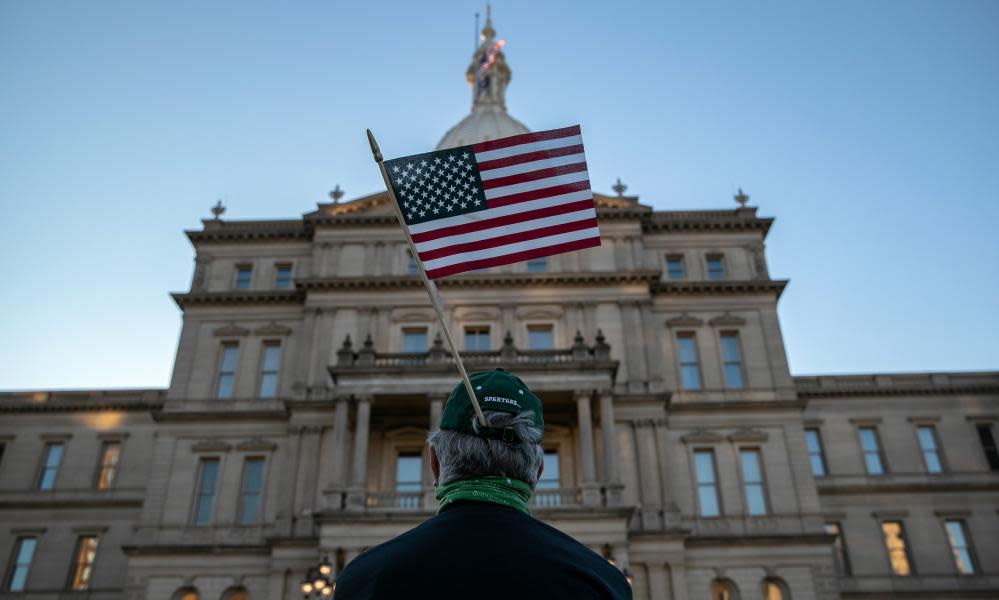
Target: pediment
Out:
[701,436]
[210,445]
[748,434]
[684,320]
[727,320]
[376,204]
[231,330]
[272,328]
[603,201]
[256,445]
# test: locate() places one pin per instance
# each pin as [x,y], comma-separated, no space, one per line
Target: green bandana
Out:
[498,490]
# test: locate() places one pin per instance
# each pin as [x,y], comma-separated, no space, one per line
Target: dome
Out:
[487,75]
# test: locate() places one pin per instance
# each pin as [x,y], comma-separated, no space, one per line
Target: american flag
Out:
[498,202]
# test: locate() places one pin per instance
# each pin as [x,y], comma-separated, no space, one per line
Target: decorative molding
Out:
[479,280]
[256,445]
[55,437]
[684,320]
[113,436]
[953,513]
[923,419]
[230,330]
[538,312]
[899,513]
[185,300]
[410,315]
[748,434]
[812,422]
[702,288]
[727,320]
[272,328]
[701,436]
[874,421]
[210,445]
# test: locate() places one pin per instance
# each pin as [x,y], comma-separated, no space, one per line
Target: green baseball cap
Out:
[497,390]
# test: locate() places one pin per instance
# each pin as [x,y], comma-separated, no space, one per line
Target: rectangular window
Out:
[204,497]
[476,339]
[83,565]
[550,481]
[24,549]
[839,546]
[960,547]
[928,444]
[690,374]
[244,273]
[408,479]
[732,360]
[414,339]
[674,267]
[716,266]
[814,443]
[107,469]
[251,491]
[537,264]
[539,337]
[269,369]
[872,451]
[227,369]
[752,482]
[411,266]
[707,485]
[897,548]
[50,465]
[282,276]
[989,445]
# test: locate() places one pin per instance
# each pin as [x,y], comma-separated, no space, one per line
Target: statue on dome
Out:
[488,75]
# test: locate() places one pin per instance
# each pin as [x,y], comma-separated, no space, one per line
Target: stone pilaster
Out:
[338,455]
[591,490]
[359,471]
[608,428]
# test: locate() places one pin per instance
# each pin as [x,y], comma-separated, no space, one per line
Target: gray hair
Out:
[463,456]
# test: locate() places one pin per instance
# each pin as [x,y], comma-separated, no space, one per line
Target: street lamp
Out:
[318,582]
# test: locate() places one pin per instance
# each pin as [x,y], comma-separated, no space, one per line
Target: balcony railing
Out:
[393,501]
[578,355]
[557,497]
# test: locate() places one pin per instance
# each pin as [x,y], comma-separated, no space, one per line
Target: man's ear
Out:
[435,466]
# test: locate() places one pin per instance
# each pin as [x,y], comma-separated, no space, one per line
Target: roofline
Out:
[894,384]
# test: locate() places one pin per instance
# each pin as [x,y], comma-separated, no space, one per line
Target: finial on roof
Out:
[619,188]
[218,209]
[336,194]
[741,198]
[488,32]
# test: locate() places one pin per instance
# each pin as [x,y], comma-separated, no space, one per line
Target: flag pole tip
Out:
[374,147]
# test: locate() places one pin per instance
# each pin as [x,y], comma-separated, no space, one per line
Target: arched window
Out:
[186,593]
[775,589]
[724,589]
[235,593]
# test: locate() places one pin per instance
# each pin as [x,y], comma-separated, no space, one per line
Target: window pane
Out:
[408,479]
[839,545]
[814,445]
[243,277]
[22,563]
[109,465]
[716,269]
[85,554]
[960,548]
[282,277]
[272,357]
[550,475]
[476,339]
[269,370]
[50,467]
[225,386]
[705,467]
[989,445]
[229,354]
[872,451]
[928,442]
[733,376]
[674,268]
[772,591]
[895,545]
[206,491]
[539,338]
[707,493]
[752,478]
[688,349]
[227,370]
[537,264]
[268,385]
[730,348]
[414,340]
[253,481]
[691,379]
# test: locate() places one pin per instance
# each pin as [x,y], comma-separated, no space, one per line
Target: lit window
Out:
[539,337]
[250,494]
[988,445]
[414,339]
[204,498]
[282,276]
[839,546]
[815,457]
[674,267]
[537,264]
[227,369]
[21,564]
[716,266]
[707,486]
[732,360]
[928,444]
[269,369]
[549,481]
[50,465]
[243,275]
[108,469]
[872,451]
[723,590]
[775,589]
[957,535]
[476,339]
[752,482]
[895,544]
[690,376]
[408,479]
[83,566]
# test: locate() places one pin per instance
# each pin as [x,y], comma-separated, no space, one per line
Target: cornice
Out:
[186,299]
[740,219]
[896,384]
[82,401]
[482,280]
[264,230]
[698,288]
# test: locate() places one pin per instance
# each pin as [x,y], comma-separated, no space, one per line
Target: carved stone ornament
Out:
[748,434]
[272,328]
[231,330]
[256,445]
[727,320]
[701,436]
[684,320]
[210,445]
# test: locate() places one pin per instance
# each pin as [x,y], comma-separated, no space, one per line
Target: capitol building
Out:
[678,445]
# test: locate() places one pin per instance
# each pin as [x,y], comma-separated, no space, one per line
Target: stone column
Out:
[678,575]
[338,455]
[658,586]
[430,493]
[289,474]
[609,430]
[591,490]
[359,473]
[648,465]
[620,554]
[305,501]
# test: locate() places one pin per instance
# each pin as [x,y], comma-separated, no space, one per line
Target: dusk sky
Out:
[870,130]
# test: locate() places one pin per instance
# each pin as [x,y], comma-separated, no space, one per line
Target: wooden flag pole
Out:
[435,297]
